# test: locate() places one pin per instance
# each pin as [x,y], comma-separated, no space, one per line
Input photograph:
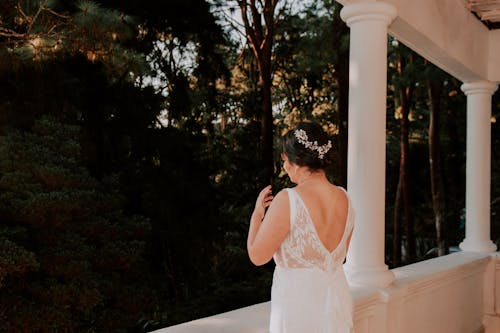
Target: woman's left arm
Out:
[268,229]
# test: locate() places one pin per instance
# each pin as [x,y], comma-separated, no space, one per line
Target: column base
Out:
[478,246]
[378,276]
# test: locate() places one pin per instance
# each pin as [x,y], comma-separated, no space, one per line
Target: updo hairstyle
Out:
[299,154]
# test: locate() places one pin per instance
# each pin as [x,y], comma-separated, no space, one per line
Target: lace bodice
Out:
[302,247]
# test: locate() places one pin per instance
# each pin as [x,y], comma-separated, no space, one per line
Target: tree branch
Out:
[33,19]
[65,17]
[11,33]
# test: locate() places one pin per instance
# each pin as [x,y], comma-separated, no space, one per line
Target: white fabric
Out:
[310,291]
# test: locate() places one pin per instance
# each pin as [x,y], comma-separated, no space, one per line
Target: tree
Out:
[260,37]
[453,138]
[311,74]
[404,85]
[434,81]
[38,30]
[70,228]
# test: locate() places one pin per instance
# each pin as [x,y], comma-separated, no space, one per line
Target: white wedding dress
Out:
[310,292]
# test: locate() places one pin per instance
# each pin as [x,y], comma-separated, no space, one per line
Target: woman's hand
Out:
[263,201]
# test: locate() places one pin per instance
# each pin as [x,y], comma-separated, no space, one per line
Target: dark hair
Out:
[299,154]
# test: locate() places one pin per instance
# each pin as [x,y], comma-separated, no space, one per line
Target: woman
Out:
[307,229]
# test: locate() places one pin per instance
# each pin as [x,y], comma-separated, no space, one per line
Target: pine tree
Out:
[71,259]
[35,30]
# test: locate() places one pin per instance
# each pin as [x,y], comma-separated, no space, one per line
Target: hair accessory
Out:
[301,136]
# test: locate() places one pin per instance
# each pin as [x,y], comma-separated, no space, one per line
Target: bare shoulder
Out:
[278,213]
[280,201]
[342,197]
[341,190]
[279,210]
[283,194]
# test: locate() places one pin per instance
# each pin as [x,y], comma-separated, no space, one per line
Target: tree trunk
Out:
[405,176]
[396,233]
[267,128]
[403,194]
[454,200]
[260,38]
[434,88]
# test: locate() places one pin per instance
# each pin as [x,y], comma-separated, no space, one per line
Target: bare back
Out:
[328,207]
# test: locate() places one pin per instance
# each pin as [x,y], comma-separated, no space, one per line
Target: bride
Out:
[307,230]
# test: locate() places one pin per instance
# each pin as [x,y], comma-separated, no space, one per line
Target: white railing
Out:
[456,293]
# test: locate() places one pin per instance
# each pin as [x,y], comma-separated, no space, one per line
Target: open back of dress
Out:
[310,292]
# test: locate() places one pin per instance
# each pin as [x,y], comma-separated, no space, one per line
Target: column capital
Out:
[368,11]
[479,87]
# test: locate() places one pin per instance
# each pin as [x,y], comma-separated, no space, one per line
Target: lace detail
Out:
[302,248]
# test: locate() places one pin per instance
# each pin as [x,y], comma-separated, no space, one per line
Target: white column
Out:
[478,167]
[368,22]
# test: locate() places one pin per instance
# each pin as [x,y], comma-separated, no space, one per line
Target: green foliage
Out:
[201,187]
[43,30]
[452,145]
[15,260]
[305,61]
[87,255]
